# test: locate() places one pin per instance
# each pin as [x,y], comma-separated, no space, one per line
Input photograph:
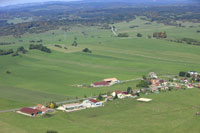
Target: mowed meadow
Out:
[172,112]
[38,77]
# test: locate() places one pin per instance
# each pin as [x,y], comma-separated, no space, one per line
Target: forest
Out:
[54,18]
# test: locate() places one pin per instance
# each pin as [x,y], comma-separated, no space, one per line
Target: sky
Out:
[14,2]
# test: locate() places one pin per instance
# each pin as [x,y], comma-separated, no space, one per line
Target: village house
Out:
[189,86]
[198,85]
[118,93]
[95,103]
[43,108]
[153,75]
[193,73]
[184,80]
[29,111]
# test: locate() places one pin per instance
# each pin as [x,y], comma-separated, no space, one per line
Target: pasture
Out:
[172,112]
[37,77]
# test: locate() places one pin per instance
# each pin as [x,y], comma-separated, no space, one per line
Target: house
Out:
[111,80]
[184,80]
[95,103]
[29,111]
[189,86]
[100,84]
[153,75]
[118,93]
[153,88]
[193,73]
[198,85]
[43,108]
[178,86]
[155,82]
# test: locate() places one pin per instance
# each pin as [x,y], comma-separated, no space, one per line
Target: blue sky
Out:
[13,2]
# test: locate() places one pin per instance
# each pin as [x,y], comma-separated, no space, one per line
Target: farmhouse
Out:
[43,108]
[29,111]
[118,93]
[100,84]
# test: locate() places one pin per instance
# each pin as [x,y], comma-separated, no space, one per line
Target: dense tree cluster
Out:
[55,18]
[40,47]
[6,52]
[160,35]
[7,43]
[189,41]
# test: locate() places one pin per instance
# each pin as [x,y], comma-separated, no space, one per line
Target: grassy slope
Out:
[41,77]
[172,112]
[38,77]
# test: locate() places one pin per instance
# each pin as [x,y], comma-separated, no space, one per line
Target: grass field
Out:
[172,112]
[38,77]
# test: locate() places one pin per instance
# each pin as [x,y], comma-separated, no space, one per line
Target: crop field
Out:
[38,77]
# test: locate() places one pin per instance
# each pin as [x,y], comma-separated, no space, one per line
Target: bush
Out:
[144,83]
[87,50]
[8,72]
[51,131]
[22,49]
[129,90]
[182,74]
[123,35]
[59,46]
[40,47]
[139,35]
[159,35]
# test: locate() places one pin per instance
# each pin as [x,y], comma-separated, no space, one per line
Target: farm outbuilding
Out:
[100,84]
[29,111]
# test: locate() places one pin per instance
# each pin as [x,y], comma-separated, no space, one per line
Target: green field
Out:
[38,77]
[172,112]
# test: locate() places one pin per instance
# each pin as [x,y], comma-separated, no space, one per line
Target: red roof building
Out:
[118,92]
[99,84]
[93,100]
[30,111]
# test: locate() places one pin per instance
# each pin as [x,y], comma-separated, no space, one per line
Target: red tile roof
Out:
[118,92]
[101,83]
[30,111]
[93,100]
